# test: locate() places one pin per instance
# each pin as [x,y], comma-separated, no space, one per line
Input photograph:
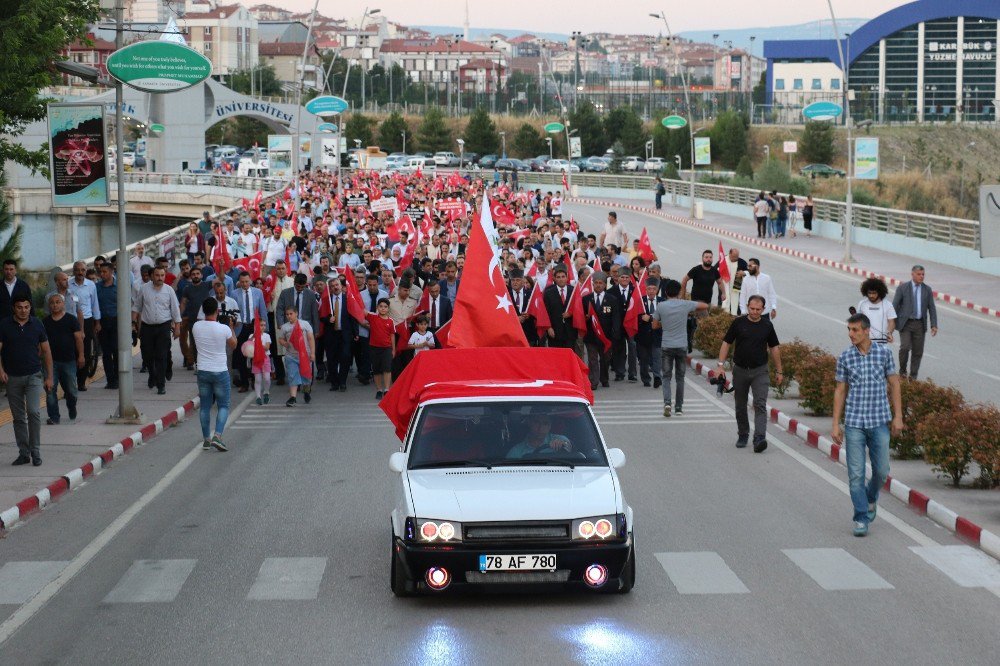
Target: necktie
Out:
[434,306]
[298,303]
[246,306]
[336,313]
[562,294]
[599,300]
[916,308]
[646,303]
[372,301]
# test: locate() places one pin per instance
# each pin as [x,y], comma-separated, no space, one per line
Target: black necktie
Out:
[246,306]
[298,303]
[434,313]
[372,301]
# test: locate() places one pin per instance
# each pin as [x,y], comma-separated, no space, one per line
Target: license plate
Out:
[517,562]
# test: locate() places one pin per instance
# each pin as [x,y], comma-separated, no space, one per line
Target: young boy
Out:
[293,363]
[382,346]
[421,339]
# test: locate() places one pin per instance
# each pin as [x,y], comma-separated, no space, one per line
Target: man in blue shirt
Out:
[107,299]
[863,371]
[86,293]
[26,367]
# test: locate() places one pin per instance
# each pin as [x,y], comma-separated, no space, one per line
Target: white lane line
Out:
[151,581]
[967,566]
[700,573]
[322,426]
[836,569]
[891,519]
[288,578]
[27,610]
[19,581]
[665,421]
[979,372]
[667,249]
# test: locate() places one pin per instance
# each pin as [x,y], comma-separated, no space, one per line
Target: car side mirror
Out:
[617,457]
[397,462]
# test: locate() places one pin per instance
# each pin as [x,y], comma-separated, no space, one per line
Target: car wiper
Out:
[539,461]
[452,463]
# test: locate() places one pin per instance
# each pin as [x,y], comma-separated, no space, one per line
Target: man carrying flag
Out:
[646,249]
[603,327]
[732,269]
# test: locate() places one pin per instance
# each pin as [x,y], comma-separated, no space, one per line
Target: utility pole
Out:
[849,210]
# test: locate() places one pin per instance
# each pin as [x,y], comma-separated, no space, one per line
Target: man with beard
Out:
[756,283]
[192,298]
[703,278]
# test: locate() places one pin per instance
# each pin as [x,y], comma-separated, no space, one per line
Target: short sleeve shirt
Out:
[381,330]
[61,334]
[673,315]
[20,346]
[703,283]
[867,404]
[210,338]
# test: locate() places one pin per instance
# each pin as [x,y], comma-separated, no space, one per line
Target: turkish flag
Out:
[575,305]
[251,264]
[407,259]
[723,266]
[402,337]
[426,226]
[268,289]
[645,249]
[595,323]
[221,260]
[634,309]
[565,182]
[258,347]
[298,340]
[501,213]
[443,334]
[287,194]
[256,200]
[533,271]
[355,306]
[425,302]
[246,203]
[518,235]
[484,315]
[536,308]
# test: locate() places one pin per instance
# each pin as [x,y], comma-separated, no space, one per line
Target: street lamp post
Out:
[404,142]
[548,140]
[845,68]
[503,144]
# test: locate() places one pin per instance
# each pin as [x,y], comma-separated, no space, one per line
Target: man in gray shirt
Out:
[671,315]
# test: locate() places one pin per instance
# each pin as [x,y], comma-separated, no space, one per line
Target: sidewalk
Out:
[968,286]
[69,446]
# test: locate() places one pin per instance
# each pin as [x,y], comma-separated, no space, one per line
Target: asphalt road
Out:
[813,301]
[277,552]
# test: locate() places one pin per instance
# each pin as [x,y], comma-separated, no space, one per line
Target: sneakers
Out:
[741,441]
[379,395]
[860,528]
[206,445]
[290,402]
[21,460]
[307,396]
[217,443]
[666,411]
[678,410]
[259,401]
[759,444]
[267,398]
[872,510]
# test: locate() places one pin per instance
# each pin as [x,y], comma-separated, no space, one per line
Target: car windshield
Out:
[505,434]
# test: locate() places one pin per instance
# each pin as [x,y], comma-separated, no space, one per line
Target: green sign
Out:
[702,150]
[156,128]
[327,105]
[553,128]
[159,67]
[674,122]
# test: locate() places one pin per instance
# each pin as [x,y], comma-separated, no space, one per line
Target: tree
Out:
[528,142]
[670,142]
[481,133]
[433,135]
[729,138]
[588,124]
[817,142]
[623,124]
[744,169]
[11,248]
[35,32]
[260,80]
[759,93]
[358,127]
[390,133]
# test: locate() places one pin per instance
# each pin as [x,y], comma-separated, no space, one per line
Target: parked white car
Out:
[445,158]
[423,164]
[633,163]
[557,166]
[655,164]
[507,484]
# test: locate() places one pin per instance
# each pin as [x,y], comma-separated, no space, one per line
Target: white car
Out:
[655,164]
[506,484]
[425,165]
[445,158]
[557,165]
[633,163]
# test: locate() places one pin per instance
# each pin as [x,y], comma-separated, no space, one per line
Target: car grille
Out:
[516,577]
[516,531]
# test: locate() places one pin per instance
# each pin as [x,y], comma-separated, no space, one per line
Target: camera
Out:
[227,317]
[719,382]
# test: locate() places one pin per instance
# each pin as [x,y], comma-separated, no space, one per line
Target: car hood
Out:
[513,493]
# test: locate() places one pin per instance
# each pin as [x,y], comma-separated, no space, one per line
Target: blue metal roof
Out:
[882,26]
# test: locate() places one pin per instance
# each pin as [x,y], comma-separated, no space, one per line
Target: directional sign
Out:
[327,127]
[327,105]
[674,122]
[823,111]
[159,67]
[156,128]
[553,128]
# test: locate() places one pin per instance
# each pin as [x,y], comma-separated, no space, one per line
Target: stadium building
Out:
[926,61]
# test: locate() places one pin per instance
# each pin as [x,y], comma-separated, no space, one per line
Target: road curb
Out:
[946,298]
[72,479]
[987,541]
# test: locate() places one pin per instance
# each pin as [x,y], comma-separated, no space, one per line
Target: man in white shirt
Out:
[760,211]
[214,340]
[878,309]
[138,260]
[614,232]
[246,242]
[756,283]
[273,247]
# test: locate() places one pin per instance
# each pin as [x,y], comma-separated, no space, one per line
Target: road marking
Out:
[664,247]
[19,581]
[325,426]
[700,573]
[965,565]
[288,578]
[151,581]
[836,569]
[26,611]
[979,372]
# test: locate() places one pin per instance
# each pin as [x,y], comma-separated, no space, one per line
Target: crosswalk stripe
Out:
[20,581]
[965,565]
[700,573]
[288,578]
[151,581]
[836,569]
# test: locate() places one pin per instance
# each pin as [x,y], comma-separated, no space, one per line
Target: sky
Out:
[596,15]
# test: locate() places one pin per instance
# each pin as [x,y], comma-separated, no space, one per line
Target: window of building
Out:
[817,84]
[797,84]
[207,32]
[208,47]
[779,84]
[834,84]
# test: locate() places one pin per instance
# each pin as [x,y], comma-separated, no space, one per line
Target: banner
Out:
[702,150]
[383,204]
[866,159]
[329,157]
[279,156]
[357,200]
[575,149]
[78,157]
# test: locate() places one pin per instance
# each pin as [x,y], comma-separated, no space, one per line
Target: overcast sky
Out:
[601,15]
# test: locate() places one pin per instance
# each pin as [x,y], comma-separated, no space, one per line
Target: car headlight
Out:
[600,528]
[430,530]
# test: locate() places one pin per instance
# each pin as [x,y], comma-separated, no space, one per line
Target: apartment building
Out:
[227,34]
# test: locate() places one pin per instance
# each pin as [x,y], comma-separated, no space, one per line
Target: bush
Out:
[794,355]
[985,422]
[745,168]
[922,398]
[816,379]
[947,442]
[711,329]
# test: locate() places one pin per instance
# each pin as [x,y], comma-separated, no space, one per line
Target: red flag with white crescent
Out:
[575,305]
[723,265]
[222,261]
[595,323]
[402,337]
[258,347]
[268,289]
[645,248]
[565,182]
[536,308]
[634,309]
[501,213]
[443,334]
[298,340]
[251,264]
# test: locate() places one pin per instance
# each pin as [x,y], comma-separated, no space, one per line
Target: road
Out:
[277,552]
[813,301]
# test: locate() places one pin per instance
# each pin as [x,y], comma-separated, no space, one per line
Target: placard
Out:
[383,204]
[450,204]
[78,158]
[279,156]
[415,212]
[575,149]
[791,147]
[702,150]
[866,159]
[359,200]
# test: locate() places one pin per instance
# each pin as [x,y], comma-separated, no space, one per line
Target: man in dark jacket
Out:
[608,309]
[14,286]
[520,296]
[556,298]
[648,339]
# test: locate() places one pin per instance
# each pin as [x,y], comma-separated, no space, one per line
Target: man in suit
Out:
[648,339]
[520,296]
[340,330]
[625,346]
[250,301]
[450,282]
[15,286]
[556,298]
[302,298]
[439,308]
[609,313]
[362,357]
[914,305]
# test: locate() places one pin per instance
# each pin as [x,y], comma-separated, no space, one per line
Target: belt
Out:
[162,323]
[747,367]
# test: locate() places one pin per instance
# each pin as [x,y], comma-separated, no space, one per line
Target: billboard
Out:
[279,155]
[866,159]
[574,147]
[329,156]
[989,221]
[702,150]
[78,155]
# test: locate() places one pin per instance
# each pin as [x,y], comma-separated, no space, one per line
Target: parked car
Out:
[469,159]
[445,158]
[506,165]
[596,164]
[561,166]
[488,161]
[396,160]
[821,171]
[655,164]
[425,165]
[537,165]
[633,163]
[521,165]
[579,162]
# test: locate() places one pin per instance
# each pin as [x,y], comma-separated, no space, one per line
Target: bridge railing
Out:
[266,185]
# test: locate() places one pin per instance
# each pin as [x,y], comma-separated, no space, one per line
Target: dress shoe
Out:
[307,397]
[161,391]
[619,378]
[593,387]
[21,460]
[741,441]
[657,382]
[36,460]
[333,387]
[243,389]
[72,413]
[605,384]
[170,372]
[646,384]
[759,444]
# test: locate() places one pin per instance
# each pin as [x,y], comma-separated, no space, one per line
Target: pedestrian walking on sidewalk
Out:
[214,340]
[755,339]
[156,314]
[672,315]
[66,344]
[914,305]
[660,191]
[26,368]
[866,378]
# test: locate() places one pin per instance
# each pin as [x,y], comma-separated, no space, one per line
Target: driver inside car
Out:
[539,439]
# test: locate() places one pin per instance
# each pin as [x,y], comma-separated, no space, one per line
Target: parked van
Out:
[425,165]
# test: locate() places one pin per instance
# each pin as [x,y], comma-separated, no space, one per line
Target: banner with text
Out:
[702,150]
[78,158]
[866,159]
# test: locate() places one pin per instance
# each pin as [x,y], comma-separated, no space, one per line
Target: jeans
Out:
[673,359]
[877,442]
[659,201]
[24,395]
[911,346]
[64,374]
[109,349]
[213,387]
[744,381]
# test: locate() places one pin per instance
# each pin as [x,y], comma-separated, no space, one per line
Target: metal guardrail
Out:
[266,185]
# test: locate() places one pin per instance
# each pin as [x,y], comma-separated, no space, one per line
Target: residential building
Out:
[270,13]
[435,61]
[286,59]
[93,51]
[226,34]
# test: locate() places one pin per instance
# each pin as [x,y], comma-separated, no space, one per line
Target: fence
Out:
[265,185]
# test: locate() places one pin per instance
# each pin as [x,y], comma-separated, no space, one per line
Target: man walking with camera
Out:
[755,339]
[213,340]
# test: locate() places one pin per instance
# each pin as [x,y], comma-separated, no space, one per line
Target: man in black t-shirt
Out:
[703,279]
[66,345]
[190,304]
[755,339]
